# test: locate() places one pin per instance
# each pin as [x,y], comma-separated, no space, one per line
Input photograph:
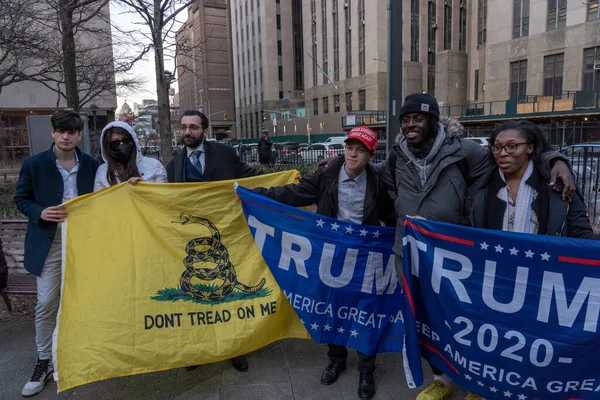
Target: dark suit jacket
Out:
[221,163]
[40,186]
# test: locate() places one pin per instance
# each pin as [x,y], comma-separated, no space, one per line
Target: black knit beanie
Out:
[422,103]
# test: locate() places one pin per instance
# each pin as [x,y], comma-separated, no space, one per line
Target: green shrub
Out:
[8,209]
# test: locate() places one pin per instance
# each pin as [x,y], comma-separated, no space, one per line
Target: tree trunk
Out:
[68,49]
[162,93]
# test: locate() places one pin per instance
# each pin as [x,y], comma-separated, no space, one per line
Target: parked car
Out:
[481,140]
[304,146]
[320,151]
[336,139]
[585,163]
[287,153]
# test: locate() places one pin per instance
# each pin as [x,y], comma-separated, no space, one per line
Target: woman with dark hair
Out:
[517,197]
[123,158]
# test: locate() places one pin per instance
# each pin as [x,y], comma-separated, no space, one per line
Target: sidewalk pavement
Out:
[288,369]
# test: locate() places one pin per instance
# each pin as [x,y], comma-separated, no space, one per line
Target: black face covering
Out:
[124,152]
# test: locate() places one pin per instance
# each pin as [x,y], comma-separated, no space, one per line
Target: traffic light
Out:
[264,116]
[225,116]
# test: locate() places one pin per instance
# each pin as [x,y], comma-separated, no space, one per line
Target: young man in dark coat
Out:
[47,180]
[349,190]
[202,161]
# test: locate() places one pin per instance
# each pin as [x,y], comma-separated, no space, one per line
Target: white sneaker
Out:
[41,374]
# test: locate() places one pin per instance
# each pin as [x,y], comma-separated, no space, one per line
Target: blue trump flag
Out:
[505,315]
[339,277]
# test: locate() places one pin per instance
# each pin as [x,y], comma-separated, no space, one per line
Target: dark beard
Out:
[193,142]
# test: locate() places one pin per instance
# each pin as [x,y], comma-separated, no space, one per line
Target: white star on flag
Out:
[341,330]
[354,333]
[468,377]
[320,223]
[376,235]
[349,230]
[363,232]
[314,326]
[327,327]
[545,256]
[507,394]
[334,226]
[301,320]
[529,254]
[522,397]
[514,251]
[493,389]
[499,249]
[480,383]
[484,246]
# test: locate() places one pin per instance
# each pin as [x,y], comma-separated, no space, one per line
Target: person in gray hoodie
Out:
[432,171]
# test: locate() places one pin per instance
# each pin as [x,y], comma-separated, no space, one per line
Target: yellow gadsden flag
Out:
[160,276]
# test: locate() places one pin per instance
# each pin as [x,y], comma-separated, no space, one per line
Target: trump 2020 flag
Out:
[506,315]
[161,276]
[339,277]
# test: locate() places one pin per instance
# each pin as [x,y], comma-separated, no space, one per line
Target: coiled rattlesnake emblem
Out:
[217,254]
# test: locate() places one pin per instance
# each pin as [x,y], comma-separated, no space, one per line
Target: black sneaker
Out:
[41,374]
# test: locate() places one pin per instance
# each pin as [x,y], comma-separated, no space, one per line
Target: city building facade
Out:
[269,67]
[204,65]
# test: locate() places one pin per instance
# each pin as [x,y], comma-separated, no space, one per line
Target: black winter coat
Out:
[556,216]
[322,189]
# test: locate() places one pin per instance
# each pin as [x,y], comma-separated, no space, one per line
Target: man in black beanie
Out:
[430,169]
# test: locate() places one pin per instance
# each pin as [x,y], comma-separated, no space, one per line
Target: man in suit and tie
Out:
[202,161]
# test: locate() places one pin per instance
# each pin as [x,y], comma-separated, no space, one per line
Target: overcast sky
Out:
[144,68]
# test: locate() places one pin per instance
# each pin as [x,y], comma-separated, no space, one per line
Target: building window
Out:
[279,49]
[336,103]
[431,43]
[313,8]
[324,38]
[325,105]
[591,69]
[298,44]
[476,86]
[593,10]
[348,42]
[518,80]
[553,74]
[362,100]
[280,72]
[447,26]
[482,23]
[349,101]
[462,28]
[361,37]
[520,18]
[315,106]
[278,21]
[336,43]
[557,14]
[414,30]
[281,94]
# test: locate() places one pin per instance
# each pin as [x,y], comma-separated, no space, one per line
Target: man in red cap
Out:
[349,190]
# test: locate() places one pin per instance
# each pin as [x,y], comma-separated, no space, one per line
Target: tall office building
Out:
[453,51]
[268,66]
[205,71]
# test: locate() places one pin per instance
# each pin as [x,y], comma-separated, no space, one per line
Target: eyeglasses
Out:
[115,143]
[184,128]
[510,148]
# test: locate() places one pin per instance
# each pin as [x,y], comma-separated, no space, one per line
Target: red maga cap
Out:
[365,135]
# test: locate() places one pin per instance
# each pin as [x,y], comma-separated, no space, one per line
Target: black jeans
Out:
[436,371]
[366,364]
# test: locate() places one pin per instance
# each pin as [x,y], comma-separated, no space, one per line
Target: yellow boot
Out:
[436,391]
[472,396]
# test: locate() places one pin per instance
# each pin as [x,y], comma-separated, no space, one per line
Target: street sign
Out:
[301,112]
[273,116]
